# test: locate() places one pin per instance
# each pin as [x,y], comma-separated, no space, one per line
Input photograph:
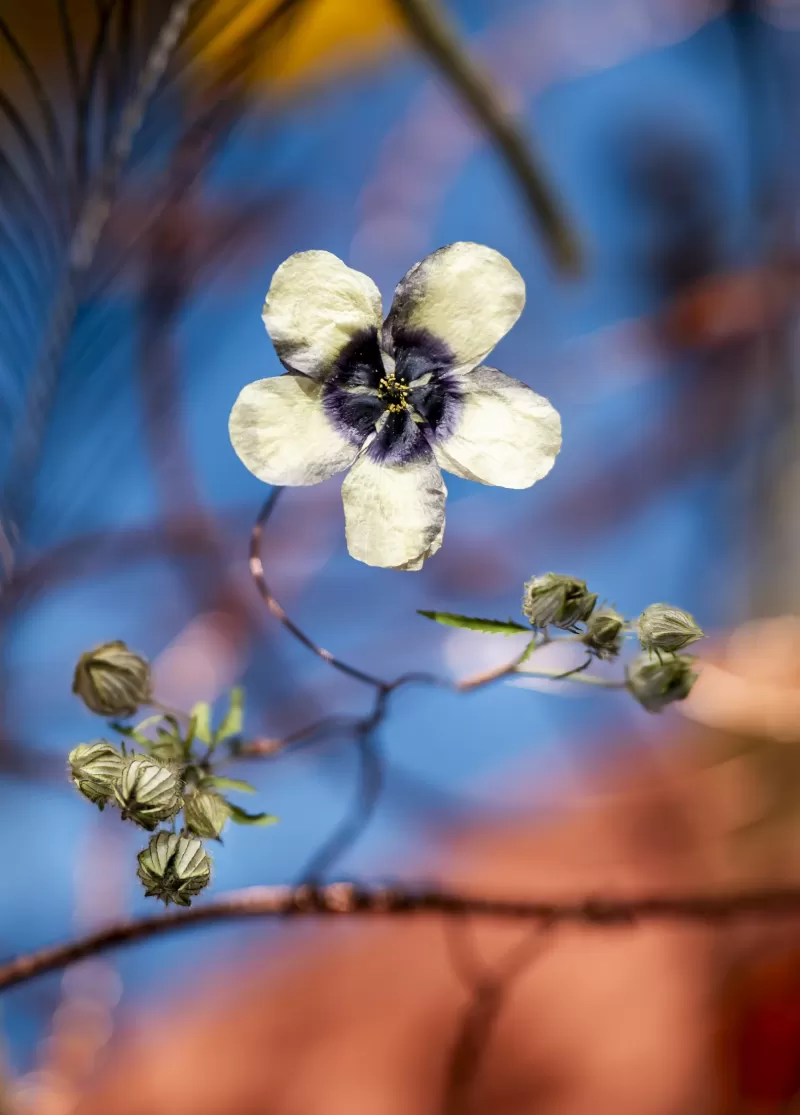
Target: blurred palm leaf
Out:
[75,79]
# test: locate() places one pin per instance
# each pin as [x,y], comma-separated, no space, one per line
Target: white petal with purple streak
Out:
[504,434]
[316,305]
[465,295]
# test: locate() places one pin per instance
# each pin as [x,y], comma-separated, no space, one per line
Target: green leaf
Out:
[137,733]
[240,817]
[200,724]
[232,720]
[219,782]
[490,626]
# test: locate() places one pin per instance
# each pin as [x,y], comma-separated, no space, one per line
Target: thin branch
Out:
[358,816]
[439,41]
[480,680]
[344,898]
[257,571]
[489,992]
[573,675]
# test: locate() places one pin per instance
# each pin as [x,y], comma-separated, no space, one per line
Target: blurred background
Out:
[669,132]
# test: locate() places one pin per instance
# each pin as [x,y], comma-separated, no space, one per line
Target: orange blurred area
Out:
[327,38]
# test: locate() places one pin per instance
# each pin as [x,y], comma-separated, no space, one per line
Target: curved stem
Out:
[257,571]
[344,898]
[432,31]
[573,675]
[358,816]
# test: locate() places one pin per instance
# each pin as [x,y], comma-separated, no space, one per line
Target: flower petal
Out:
[505,434]
[282,434]
[466,295]
[394,513]
[315,306]
[418,562]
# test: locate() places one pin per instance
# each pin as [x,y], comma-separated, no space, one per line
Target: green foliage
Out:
[169,770]
[240,817]
[470,623]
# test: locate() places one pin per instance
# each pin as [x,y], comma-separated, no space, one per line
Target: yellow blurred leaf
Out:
[324,38]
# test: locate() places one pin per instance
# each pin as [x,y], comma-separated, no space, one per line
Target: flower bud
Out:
[95,768]
[148,793]
[663,628]
[112,681]
[657,683]
[557,600]
[604,633]
[205,813]
[174,868]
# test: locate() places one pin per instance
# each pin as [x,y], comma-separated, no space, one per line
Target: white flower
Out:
[397,401]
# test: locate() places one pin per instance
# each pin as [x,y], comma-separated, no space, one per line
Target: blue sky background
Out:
[681,544]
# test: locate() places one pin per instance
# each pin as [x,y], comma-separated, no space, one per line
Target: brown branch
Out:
[435,36]
[489,991]
[344,898]
[257,572]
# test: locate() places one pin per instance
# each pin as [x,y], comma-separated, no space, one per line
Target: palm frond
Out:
[64,157]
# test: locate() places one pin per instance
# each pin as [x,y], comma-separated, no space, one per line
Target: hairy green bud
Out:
[604,633]
[174,868]
[95,768]
[148,792]
[664,628]
[657,683]
[205,813]
[112,681]
[553,599]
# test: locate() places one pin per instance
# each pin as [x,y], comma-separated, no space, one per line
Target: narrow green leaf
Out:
[200,726]
[220,782]
[233,719]
[490,626]
[240,817]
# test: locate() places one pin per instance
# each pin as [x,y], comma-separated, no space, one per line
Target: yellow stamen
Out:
[395,391]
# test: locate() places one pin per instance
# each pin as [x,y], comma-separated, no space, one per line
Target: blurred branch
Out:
[489,990]
[435,36]
[345,898]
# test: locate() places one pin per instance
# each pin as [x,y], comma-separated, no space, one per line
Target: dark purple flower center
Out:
[407,407]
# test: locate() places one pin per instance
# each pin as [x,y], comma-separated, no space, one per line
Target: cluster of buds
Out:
[660,675]
[153,786]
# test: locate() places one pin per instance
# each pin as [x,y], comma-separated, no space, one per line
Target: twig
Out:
[344,898]
[257,571]
[439,40]
[358,816]
[573,675]
[479,680]
[489,991]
